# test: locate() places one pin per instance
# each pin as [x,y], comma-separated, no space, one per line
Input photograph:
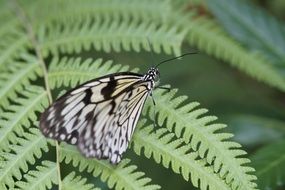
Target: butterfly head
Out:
[152,74]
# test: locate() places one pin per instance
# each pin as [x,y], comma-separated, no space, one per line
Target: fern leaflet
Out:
[123,176]
[17,117]
[171,152]
[42,178]
[75,182]
[24,152]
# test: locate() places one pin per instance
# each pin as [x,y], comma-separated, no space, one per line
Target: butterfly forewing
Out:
[99,116]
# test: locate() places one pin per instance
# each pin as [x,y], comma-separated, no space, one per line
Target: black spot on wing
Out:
[88,94]
[113,104]
[109,89]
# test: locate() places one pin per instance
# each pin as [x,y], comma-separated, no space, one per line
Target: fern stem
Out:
[29,28]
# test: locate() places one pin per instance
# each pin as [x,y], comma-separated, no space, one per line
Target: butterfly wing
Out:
[109,136]
[99,116]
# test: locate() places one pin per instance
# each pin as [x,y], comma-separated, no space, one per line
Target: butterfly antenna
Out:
[171,59]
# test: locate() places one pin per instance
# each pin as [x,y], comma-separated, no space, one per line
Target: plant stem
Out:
[29,28]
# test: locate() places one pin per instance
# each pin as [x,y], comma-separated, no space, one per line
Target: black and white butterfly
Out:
[100,115]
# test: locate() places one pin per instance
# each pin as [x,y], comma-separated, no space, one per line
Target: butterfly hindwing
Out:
[109,138]
[98,116]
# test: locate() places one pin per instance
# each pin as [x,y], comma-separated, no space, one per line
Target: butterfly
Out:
[100,116]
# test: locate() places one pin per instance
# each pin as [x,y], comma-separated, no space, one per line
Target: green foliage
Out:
[17,118]
[45,50]
[269,162]
[246,128]
[253,27]
[40,179]
[70,72]
[200,131]
[122,176]
[172,152]
[18,75]
[208,36]
[73,182]
[24,152]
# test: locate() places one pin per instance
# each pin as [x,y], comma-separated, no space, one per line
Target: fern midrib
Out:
[25,110]
[214,144]
[102,36]
[256,33]
[48,174]
[268,166]
[103,164]
[12,48]
[23,73]
[21,157]
[163,150]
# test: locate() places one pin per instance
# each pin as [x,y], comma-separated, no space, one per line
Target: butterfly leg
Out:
[165,88]
[154,112]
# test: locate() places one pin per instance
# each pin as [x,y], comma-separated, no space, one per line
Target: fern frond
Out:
[190,123]
[207,36]
[25,151]
[16,117]
[75,182]
[199,131]
[253,27]
[138,10]
[42,178]
[9,24]
[171,152]
[70,72]
[12,46]
[110,35]
[122,176]
[16,76]
[269,163]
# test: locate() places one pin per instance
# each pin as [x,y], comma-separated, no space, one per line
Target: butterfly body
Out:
[100,115]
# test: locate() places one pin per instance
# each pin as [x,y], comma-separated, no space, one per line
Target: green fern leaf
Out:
[17,117]
[16,76]
[70,72]
[207,36]
[102,36]
[25,151]
[199,130]
[7,19]
[75,182]
[14,40]
[269,163]
[171,152]
[40,179]
[137,10]
[122,176]
[253,27]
